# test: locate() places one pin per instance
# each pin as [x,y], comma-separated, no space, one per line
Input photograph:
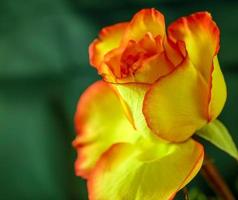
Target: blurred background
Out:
[44,69]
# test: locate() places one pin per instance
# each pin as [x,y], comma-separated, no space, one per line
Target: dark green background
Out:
[44,69]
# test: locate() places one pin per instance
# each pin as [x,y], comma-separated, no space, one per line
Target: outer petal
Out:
[201,37]
[100,123]
[125,172]
[146,20]
[176,106]
[132,96]
[218,91]
[109,38]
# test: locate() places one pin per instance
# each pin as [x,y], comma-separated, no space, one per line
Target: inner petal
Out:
[132,62]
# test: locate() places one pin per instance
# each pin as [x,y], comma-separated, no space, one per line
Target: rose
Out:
[185,88]
[169,86]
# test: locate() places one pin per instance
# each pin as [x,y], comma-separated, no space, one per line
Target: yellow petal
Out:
[132,96]
[125,171]
[100,122]
[201,37]
[218,91]
[109,38]
[145,21]
[176,105]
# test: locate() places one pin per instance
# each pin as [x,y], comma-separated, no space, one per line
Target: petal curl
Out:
[218,91]
[109,38]
[176,105]
[201,37]
[145,21]
[125,172]
[100,122]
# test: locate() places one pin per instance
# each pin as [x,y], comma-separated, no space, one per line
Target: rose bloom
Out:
[178,73]
[134,127]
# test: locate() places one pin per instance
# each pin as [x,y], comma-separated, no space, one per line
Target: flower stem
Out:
[215,180]
[185,192]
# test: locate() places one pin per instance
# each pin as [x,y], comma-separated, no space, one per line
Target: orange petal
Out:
[201,37]
[173,51]
[112,60]
[151,44]
[153,68]
[106,73]
[129,172]
[109,38]
[176,105]
[100,122]
[146,20]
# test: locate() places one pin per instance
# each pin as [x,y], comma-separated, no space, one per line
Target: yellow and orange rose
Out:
[135,126]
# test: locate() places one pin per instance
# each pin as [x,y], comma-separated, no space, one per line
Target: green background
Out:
[44,69]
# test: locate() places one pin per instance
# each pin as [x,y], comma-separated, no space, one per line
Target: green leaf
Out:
[216,133]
